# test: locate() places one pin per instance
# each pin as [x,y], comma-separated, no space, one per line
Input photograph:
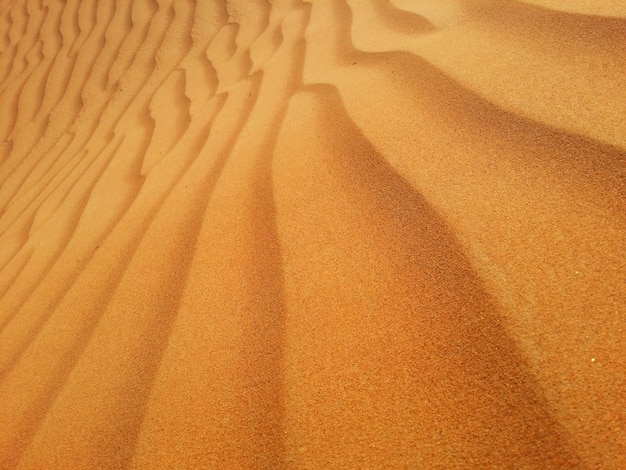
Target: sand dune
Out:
[312,234]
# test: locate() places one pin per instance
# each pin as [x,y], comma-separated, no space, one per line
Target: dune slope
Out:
[312,234]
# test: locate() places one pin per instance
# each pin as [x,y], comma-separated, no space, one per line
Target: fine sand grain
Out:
[312,234]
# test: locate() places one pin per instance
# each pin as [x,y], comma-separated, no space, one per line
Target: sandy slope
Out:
[347,234]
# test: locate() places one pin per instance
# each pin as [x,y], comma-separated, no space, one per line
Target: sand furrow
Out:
[95,102]
[209,18]
[6,57]
[253,19]
[437,313]
[517,201]
[69,66]
[6,7]
[72,203]
[140,16]
[9,99]
[19,208]
[236,63]
[86,20]
[68,26]
[143,332]
[312,234]
[167,132]
[16,32]
[58,76]
[611,8]
[178,41]
[203,76]
[46,193]
[63,114]
[79,256]
[9,275]
[34,59]
[539,56]
[265,46]
[564,64]
[26,211]
[253,306]
[94,198]
[50,50]
[403,21]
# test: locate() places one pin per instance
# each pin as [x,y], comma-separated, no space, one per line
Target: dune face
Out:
[312,234]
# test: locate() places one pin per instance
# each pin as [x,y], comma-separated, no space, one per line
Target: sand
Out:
[325,234]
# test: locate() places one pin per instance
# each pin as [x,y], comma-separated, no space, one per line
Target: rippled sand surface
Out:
[312,234]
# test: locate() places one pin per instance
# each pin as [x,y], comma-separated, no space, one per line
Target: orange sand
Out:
[325,234]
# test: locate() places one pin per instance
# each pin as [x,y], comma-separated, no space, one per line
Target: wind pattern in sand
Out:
[329,234]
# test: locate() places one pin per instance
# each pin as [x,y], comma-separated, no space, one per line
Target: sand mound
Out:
[347,234]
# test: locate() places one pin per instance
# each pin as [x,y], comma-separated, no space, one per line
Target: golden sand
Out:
[312,234]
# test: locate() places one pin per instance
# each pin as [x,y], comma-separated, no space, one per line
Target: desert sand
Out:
[312,234]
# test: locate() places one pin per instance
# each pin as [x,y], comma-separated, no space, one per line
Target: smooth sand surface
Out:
[325,234]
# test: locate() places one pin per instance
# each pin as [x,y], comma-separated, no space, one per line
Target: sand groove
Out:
[312,234]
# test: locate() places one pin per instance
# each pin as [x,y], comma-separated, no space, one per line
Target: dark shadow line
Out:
[71,357]
[132,417]
[591,161]
[485,357]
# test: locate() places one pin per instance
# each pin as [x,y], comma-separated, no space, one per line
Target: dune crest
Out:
[312,234]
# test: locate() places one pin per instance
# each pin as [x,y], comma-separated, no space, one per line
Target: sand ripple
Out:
[312,234]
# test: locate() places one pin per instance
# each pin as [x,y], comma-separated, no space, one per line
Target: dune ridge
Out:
[312,234]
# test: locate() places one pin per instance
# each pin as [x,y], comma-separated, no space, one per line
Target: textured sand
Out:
[327,234]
